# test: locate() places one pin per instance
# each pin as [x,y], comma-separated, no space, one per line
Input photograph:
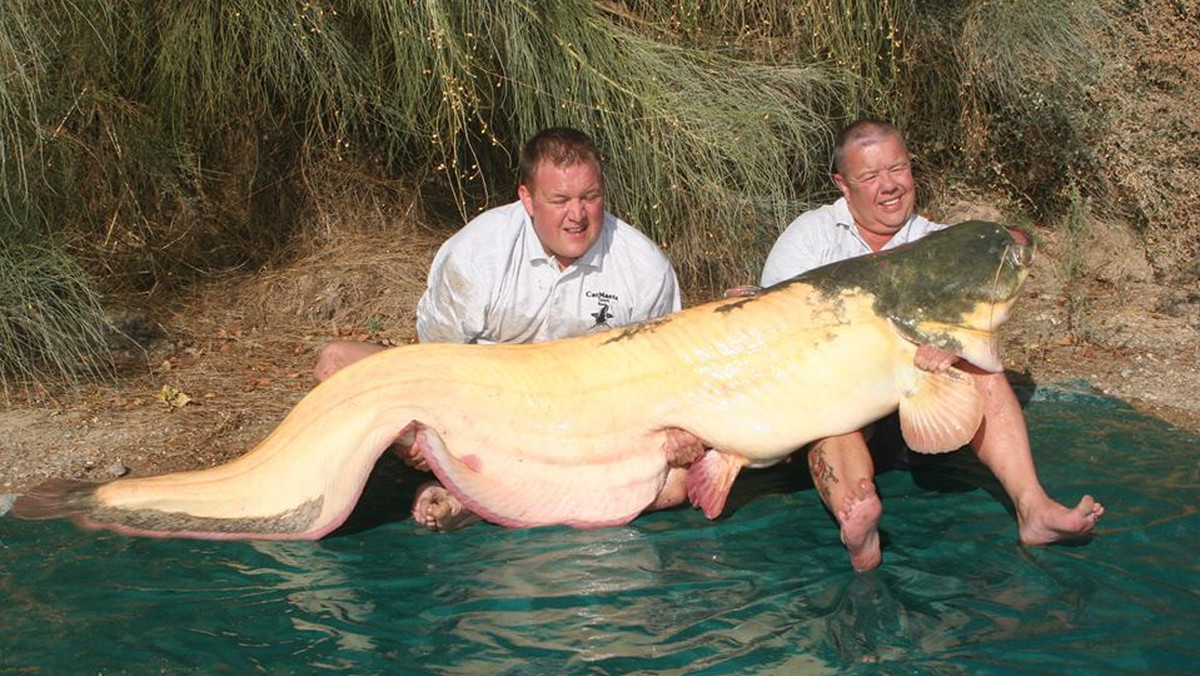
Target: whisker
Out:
[996,284]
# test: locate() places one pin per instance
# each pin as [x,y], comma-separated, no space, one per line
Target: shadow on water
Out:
[763,590]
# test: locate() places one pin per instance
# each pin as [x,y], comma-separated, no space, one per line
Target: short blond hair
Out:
[862,132]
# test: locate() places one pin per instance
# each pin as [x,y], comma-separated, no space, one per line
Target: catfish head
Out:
[951,289]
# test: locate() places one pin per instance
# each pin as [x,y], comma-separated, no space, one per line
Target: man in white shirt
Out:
[497,281]
[877,212]
[553,264]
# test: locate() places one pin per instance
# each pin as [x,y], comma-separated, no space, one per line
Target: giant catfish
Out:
[580,431]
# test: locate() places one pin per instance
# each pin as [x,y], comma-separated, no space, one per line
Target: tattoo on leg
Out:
[822,474]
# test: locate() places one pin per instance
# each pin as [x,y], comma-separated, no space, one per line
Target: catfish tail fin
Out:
[56,499]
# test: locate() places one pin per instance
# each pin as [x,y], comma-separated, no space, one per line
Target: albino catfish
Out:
[583,431]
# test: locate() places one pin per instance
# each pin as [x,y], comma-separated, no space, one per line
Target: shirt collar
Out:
[592,258]
[841,212]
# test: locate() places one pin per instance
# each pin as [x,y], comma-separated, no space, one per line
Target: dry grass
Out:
[246,340]
[1153,150]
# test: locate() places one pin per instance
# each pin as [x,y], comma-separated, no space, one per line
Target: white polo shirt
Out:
[492,282]
[827,235]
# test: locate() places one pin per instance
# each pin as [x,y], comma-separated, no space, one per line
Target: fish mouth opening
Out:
[1019,236]
[1020,255]
[1021,252]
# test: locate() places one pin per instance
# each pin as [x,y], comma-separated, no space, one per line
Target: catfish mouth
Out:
[967,329]
[994,308]
[1020,254]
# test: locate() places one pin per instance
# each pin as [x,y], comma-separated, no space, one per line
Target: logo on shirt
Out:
[602,316]
[604,301]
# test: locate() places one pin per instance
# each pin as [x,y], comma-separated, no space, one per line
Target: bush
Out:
[51,320]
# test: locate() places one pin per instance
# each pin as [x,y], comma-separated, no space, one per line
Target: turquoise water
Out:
[765,590]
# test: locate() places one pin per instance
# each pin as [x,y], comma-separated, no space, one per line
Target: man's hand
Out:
[411,455]
[682,448]
[933,359]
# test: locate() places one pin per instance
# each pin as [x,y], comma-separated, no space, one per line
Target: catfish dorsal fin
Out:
[709,480]
[939,412]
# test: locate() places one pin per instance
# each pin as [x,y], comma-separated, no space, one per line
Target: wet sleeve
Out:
[667,299]
[453,307]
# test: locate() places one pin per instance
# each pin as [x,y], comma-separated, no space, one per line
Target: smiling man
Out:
[873,171]
[553,264]
[877,210]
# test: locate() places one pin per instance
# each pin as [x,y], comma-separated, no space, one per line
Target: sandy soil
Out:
[220,369]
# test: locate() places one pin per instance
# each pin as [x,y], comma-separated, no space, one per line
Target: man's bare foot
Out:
[859,519]
[434,508]
[1049,521]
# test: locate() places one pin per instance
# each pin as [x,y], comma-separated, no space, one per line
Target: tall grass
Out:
[163,140]
[51,319]
[704,151]
[864,37]
[188,142]
[192,130]
[1032,122]
[21,62]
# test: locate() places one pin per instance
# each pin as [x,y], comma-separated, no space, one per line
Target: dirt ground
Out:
[220,368]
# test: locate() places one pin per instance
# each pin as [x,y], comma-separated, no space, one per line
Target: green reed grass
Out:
[701,147]
[706,153]
[52,322]
[709,152]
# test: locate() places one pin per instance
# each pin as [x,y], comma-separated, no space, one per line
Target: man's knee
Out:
[324,366]
[338,355]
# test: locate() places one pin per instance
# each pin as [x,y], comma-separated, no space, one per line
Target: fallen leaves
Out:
[173,397]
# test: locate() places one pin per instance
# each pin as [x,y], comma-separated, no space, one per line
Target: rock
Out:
[131,328]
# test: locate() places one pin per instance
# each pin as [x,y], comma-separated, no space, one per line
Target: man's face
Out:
[878,185]
[566,205]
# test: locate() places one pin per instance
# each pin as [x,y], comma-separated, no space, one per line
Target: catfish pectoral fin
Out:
[940,412]
[56,499]
[709,480]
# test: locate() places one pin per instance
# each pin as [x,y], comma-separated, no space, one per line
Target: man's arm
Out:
[453,307]
[666,300]
[793,253]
